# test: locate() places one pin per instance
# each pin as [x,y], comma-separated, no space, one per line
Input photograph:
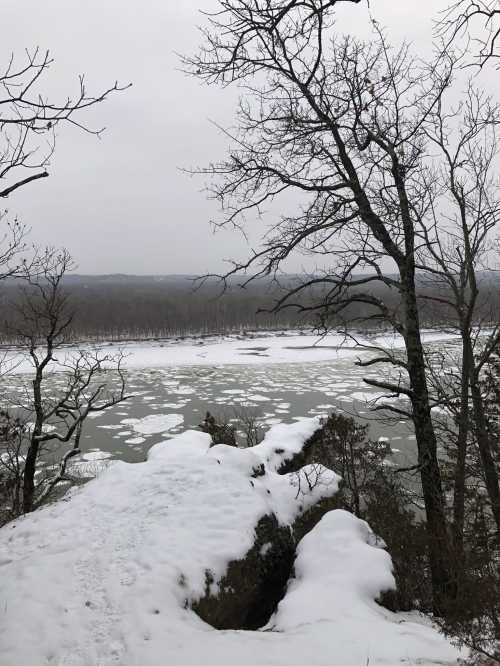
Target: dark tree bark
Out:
[460,466]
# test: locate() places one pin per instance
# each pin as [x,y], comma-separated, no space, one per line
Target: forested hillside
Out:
[129,307]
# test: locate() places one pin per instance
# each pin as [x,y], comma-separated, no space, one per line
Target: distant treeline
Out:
[129,307]
[122,307]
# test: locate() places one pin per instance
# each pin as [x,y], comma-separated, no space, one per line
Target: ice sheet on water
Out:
[93,456]
[155,423]
[227,350]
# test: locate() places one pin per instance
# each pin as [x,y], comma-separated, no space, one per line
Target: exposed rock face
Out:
[252,587]
[299,459]
[318,448]
[248,594]
[311,517]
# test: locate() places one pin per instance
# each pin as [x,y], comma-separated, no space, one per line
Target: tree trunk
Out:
[439,541]
[354,483]
[32,455]
[459,476]
[29,477]
[484,446]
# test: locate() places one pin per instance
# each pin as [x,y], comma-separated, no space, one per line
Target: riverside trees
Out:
[351,127]
[49,418]
[28,122]
[56,417]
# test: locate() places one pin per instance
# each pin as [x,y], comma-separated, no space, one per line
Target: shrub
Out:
[11,466]
[221,432]
[376,494]
[240,428]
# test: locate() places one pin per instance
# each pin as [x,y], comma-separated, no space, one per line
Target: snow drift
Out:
[109,576]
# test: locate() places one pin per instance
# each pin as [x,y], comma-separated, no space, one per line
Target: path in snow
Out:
[102,579]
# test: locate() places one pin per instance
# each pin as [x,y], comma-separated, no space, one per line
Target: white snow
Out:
[103,578]
[283,348]
[283,441]
[321,562]
[339,574]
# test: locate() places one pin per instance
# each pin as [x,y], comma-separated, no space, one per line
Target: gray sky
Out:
[120,204]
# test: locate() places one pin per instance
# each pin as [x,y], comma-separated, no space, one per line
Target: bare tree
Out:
[457,243]
[53,418]
[29,118]
[28,123]
[476,21]
[239,426]
[249,424]
[342,123]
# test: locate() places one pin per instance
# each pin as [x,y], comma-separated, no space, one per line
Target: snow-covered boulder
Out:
[247,595]
[110,575]
[252,585]
[340,572]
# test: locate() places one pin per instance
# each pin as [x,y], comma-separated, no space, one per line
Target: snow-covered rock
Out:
[339,573]
[109,576]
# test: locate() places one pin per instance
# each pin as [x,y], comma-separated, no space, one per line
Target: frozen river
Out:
[278,378]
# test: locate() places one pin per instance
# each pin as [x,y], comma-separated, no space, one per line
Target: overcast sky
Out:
[121,204]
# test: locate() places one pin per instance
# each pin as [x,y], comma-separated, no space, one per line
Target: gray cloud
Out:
[121,204]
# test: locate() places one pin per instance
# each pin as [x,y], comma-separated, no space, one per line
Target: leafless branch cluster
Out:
[28,122]
[309,478]
[50,418]
[478,23]
[29,118]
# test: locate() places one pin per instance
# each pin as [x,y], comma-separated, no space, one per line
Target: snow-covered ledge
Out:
[109,576]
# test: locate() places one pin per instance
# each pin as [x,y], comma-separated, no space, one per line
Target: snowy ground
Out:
[103,578]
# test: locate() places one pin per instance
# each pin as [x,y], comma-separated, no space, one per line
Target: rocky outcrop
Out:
[248,594]
[308,519]
[251,588]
